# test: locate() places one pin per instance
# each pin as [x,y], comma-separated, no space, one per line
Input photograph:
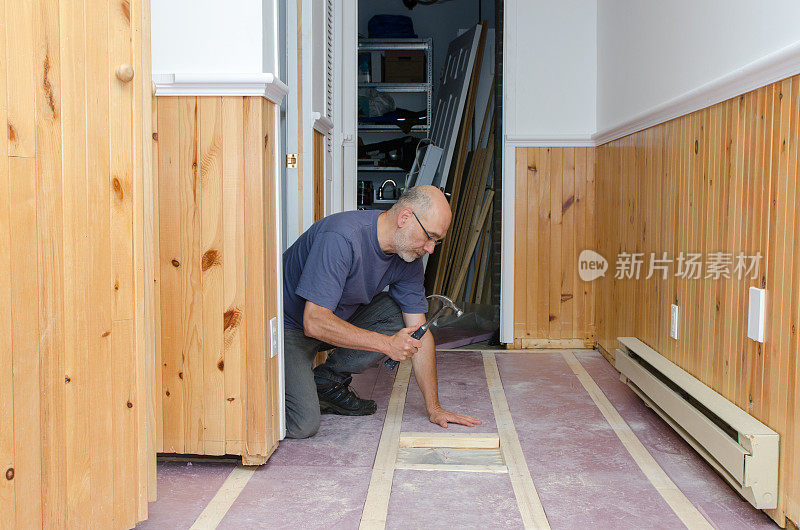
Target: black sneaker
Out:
[339,399]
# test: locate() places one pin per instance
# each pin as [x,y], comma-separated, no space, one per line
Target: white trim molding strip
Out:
[322,124]
[563,140]
[217,84]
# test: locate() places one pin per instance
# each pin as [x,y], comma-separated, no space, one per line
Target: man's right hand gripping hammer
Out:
[403,347]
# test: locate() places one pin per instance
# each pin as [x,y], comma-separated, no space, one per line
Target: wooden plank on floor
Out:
[376,506]
[451,459]
[530,507]
[682,507]
[463,468]
[464,440]
[219,505]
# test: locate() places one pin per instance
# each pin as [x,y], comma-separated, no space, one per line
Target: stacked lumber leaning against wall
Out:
[458,268]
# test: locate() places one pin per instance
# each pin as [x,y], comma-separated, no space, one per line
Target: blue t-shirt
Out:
[338,264]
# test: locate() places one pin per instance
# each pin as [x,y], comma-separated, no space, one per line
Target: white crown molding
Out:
[218,84]
[322,124]
[561,140]
[769,69]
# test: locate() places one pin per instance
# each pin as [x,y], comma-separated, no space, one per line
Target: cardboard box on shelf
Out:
[404,66]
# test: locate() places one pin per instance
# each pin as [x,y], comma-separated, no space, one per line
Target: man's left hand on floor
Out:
[442,417]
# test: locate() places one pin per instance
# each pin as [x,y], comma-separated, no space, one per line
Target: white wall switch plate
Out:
[273,337]
[756,314]
[673,322]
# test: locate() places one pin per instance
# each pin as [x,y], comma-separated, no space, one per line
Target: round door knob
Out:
[124,72]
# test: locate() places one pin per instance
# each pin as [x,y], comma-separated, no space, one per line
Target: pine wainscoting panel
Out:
[218,278]
[74,283]
[554,223]
[720,180]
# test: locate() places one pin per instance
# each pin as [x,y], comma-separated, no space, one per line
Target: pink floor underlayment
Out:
[582,472]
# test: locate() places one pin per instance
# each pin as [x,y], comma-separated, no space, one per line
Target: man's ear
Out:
[403,217]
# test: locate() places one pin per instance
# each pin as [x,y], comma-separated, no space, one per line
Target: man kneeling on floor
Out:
[334,276]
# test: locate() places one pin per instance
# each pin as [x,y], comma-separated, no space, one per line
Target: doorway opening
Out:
[428,81]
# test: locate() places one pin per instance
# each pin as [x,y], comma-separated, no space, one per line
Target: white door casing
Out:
[299,196]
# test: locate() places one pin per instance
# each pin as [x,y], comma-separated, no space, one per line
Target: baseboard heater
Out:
[742,449]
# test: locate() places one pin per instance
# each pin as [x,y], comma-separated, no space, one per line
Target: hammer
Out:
[446,304]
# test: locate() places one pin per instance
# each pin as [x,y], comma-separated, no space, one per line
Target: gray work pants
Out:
[382,315]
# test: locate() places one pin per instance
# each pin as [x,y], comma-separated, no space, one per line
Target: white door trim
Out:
[509,183]
[348,102]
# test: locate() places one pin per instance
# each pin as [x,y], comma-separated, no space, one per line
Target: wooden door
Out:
[74,334]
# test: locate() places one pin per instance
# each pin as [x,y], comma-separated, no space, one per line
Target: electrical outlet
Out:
[273,337]
[673,322]
[756,314]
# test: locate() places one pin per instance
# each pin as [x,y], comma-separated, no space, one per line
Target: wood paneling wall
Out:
[218,276]
[74,338]
[554,215]
[723,179]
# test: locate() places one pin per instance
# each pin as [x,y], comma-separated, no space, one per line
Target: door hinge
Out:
[291,160]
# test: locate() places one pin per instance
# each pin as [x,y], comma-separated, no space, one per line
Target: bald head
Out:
[424,200]
[416,222]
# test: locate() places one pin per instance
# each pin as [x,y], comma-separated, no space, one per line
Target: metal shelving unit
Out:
[382,45]
[398,87]
[426,88]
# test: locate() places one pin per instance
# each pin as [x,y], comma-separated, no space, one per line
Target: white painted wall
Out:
[198,36]
[550,67]
[653,51]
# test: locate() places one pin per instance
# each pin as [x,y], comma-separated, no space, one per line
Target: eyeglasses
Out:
[435,241]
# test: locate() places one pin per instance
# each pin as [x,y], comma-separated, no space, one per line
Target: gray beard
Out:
[401,243]
[407,256]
